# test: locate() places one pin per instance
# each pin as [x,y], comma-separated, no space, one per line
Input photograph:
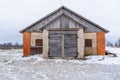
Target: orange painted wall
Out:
[101,43]
[26,43]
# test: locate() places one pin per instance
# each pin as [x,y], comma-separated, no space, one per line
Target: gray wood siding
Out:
[54,24]
[63,22]
[64,19]
[45,21]
[90,27]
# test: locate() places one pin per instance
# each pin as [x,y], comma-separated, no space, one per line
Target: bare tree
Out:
[110,44]
[10,45]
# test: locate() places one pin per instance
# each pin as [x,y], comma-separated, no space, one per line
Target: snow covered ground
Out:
[14,67]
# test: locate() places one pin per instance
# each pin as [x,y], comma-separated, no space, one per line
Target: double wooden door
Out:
[62,44]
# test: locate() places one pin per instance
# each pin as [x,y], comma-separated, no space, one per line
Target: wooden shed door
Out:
[70,45]
[55,48]
[62,44]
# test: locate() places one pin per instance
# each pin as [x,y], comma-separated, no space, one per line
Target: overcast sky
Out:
[18,14]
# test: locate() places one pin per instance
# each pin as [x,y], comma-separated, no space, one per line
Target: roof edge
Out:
[41,19]
[105,30]
[63,7]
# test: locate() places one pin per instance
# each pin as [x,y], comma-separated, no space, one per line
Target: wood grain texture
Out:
[70,45]
[26,43]
[55,45]
[101,43]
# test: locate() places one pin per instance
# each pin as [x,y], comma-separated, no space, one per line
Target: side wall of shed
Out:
[34,36]
[101,43]
[93,49]
[26,43]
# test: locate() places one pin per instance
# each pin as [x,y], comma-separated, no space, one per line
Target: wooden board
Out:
[36,50]
[55,48]
[70,45]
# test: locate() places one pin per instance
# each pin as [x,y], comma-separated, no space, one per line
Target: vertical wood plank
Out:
[63,54]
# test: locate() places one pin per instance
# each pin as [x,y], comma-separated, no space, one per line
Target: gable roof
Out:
[63,13]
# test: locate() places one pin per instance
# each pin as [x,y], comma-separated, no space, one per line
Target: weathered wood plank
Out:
[70,45]
[62,32]
[55,44]
[63,49]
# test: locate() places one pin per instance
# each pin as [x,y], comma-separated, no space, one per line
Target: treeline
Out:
[10,45]
[115,44]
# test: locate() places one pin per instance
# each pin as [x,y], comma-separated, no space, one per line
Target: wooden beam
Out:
[45,43]
[63,29]
[80,43]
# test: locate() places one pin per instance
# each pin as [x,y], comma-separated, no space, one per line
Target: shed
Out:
[64,33]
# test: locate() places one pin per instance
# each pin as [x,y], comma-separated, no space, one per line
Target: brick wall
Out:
[101,43]
[26,43]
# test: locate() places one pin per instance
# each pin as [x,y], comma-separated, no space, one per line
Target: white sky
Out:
[18,14]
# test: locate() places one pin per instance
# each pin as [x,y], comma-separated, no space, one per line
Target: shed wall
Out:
[80,43]
[64,15]
[34,36]
[93,49]
[45,43]
[101,43]
[63,22]
[91,27]
[26,43]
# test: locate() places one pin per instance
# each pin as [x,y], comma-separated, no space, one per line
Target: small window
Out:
[38,42]
[88,42]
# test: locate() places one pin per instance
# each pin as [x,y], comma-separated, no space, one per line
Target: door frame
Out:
[80,43]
